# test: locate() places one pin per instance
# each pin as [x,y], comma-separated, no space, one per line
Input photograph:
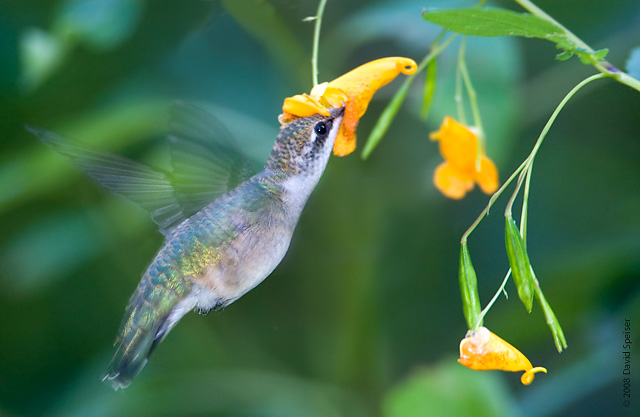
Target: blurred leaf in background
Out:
[363,316]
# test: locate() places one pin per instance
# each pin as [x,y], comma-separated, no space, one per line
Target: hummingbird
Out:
[212,257]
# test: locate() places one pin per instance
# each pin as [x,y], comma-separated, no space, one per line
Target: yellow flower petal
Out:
[332,97]
[487,177]
[459,147]
[482,350]
[451,182]
[458,144]
[303,105]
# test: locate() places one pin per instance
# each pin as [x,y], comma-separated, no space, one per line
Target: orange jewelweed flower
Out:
[465,164]
[353,89]
[482,350]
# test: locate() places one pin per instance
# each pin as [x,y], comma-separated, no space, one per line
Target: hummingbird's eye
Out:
[322,128]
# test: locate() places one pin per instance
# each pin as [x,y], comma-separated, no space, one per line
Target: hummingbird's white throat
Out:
[297,188]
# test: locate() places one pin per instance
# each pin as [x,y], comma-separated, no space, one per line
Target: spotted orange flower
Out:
[482,350]
[465,164]
[353,89]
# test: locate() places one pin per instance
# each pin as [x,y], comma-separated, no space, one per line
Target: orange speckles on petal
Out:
[482,350]
[354,90]
[346,139]
[459,147]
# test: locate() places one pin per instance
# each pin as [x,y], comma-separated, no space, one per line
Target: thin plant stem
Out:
[526,164]
[493,300]
[473,102]
[525,205]
[601,65]
[316,41]
[458,94]
[471,92]
[543,134]
[492,200]
[434,53]
[507,211]
[535,10]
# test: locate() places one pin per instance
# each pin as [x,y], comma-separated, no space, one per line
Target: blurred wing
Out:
[149,188]
[205,158]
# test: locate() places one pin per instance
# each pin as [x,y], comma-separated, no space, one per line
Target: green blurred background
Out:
[363,317]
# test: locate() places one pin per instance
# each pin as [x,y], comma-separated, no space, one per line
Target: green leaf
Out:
[429,87]
[600,54]
[519,262]
[385,119]
[552,321]
[564,55]
[469,289]
[494,22]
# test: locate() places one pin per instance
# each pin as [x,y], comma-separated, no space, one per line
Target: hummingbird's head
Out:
[304,145]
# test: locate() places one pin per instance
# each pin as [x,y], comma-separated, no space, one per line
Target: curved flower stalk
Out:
[353,89]
[482,350]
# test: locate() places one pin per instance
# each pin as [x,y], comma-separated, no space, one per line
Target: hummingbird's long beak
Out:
[337,111]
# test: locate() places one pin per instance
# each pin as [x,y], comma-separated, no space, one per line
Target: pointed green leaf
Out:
[494,22]
[552,321]
[429,87]
[385,119]
[519,262]
[600,54]
[564,55]
[469,289]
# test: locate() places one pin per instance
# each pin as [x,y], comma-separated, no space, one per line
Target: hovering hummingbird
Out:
[210,258]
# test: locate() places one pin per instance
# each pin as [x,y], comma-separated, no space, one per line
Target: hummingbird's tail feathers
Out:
[129,361]
[145,325]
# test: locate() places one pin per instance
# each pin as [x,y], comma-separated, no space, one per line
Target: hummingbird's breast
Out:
[231,245]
